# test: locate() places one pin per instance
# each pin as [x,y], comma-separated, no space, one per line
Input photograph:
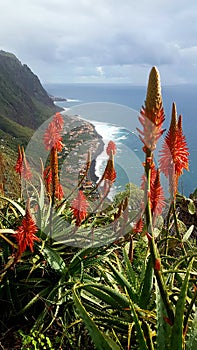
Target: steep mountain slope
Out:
[24,105]
[22,97]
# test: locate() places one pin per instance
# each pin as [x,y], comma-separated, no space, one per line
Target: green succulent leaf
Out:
[110,296]
[147,285]
[177,337]
[54,259]
[101,340]
[192,340]
[163,327]
[140,334]
[15,204]
[121,279]
[188,233]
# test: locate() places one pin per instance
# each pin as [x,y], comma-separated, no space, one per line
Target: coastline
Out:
[84,136]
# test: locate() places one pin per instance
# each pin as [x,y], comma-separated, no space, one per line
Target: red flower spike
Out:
[52,135]
[25,234]
[167,152]
[111,147]
[110,173]
[60,193]
[79,207]
[22,166]
[152,128]
[182,154]
[52,138]
[19,162]
[26,172]
[174,153]
[58,121]
[138,226]
[157,195]
[47,175]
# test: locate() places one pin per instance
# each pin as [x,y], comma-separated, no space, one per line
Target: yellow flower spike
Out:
[153,97]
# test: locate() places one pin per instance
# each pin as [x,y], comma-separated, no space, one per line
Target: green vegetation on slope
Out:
[24,106]
[22,97]
[12,133]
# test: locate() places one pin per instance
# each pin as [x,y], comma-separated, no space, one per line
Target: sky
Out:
[97,41]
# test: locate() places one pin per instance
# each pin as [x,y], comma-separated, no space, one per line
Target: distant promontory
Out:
[58,99]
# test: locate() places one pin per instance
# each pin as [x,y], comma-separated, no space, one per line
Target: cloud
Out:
[63,40]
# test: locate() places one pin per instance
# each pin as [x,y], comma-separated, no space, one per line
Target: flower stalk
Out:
[53,143]
[54,171]
[151,118]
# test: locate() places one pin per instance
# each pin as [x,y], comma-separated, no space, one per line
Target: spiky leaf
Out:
[101,341]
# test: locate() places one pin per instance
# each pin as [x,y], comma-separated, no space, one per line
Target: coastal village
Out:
[79,140]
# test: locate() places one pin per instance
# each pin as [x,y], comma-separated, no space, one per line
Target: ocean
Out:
[114,110]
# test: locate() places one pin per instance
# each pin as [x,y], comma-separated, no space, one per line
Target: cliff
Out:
[24,106]
[22,97]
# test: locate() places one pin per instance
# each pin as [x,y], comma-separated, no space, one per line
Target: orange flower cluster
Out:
[110,172]
[156,196]
[79,207]
[52,136]
[109,175]
[174,153]
[156,191]
[111,147]
[138,227]
[25,234]
[22,166]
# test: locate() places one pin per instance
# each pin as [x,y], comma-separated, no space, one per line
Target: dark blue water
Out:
[133,97]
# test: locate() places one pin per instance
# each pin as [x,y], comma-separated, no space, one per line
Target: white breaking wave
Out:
[72,100]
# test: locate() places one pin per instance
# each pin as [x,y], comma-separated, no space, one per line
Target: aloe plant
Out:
[133,285]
